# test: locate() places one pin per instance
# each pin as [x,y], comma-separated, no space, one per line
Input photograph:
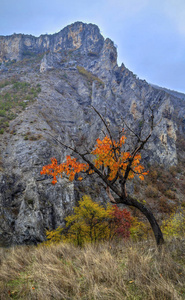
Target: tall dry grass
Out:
[107,271]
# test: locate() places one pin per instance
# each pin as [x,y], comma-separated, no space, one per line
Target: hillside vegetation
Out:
[14,97]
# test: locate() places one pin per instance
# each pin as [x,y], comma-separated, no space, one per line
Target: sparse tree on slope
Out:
[114,167]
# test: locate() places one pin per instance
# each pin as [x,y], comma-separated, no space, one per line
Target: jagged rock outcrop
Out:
[74,68]
[72,37]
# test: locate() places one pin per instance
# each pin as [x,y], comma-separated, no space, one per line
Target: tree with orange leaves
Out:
[114,167]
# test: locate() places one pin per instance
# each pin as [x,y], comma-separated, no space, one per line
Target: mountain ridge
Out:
[17,46]
[174,93]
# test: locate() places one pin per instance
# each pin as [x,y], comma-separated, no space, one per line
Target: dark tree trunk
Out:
[150,217]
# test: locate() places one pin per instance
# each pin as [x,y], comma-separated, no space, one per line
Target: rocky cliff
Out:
[78,35]
[47,87]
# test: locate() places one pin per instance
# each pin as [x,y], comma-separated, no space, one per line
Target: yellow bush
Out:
[53,236]
[175,224]
[90,223]
[139,230]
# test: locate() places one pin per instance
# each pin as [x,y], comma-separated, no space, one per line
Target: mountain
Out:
[47,87]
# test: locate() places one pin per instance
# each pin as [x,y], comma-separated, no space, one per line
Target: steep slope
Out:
[58,78]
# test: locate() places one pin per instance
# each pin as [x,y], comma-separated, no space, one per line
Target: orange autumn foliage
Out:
[108,154]
[71,167]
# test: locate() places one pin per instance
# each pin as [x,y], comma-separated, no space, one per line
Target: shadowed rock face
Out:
[75,68]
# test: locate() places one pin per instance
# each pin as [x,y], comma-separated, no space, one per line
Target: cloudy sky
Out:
[150,34]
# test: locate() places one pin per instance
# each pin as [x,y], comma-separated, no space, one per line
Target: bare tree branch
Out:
[132,131]
[112,200]
[110,135]
[108,130]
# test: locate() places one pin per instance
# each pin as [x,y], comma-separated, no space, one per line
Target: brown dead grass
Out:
[116,271]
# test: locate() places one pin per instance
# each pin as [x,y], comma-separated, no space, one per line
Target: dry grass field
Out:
[105,271]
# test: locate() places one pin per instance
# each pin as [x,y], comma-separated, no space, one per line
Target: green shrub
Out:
[2,113]
[22,104]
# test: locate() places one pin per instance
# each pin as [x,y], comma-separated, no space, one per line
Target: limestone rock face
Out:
[75,68]
[81,36]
